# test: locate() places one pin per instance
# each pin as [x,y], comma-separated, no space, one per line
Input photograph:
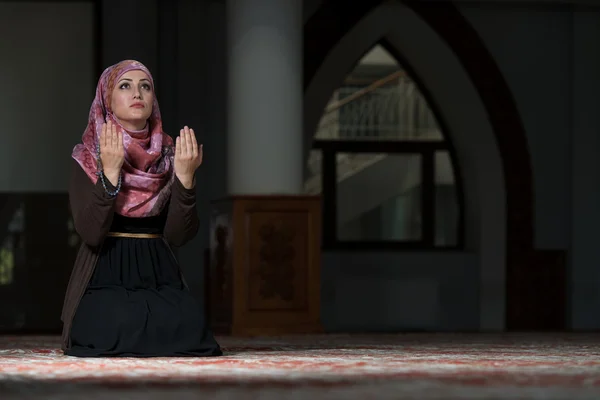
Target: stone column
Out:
[265,97]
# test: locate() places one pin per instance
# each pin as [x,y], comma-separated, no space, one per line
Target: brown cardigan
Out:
[93,211]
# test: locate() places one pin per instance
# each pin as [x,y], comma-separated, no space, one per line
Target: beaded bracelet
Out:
[117,190]
[101,175]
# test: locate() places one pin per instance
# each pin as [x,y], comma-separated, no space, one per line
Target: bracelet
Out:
[117,190]
[100,173]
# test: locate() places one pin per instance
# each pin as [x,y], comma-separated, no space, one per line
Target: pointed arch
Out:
[381,133]
[504,240]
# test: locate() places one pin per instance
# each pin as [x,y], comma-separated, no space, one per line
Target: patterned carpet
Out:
[419,366]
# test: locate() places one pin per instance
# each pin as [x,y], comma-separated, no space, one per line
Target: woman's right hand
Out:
[112,153]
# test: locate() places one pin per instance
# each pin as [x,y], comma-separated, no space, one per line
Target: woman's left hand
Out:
[188,156]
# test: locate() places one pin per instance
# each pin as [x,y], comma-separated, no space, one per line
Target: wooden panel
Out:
[272,261]
[276,267]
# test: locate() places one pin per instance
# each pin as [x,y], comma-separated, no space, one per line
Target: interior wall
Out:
[549,56]
[44,110]
[532,47]
[585,172]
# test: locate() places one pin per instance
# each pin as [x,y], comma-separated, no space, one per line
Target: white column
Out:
[265,97]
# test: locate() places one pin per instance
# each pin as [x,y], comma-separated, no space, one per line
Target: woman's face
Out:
[132,100]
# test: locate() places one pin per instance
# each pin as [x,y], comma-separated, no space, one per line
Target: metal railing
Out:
[391,108]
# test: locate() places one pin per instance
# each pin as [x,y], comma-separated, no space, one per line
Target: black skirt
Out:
[136,304]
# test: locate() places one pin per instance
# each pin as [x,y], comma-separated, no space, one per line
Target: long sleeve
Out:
[182,218]
[92,207]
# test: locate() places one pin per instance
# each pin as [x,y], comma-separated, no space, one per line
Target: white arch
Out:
[464,115]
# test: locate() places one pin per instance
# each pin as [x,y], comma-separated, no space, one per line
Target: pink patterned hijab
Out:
[148,166]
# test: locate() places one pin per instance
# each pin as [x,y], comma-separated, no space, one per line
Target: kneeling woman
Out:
[132,197]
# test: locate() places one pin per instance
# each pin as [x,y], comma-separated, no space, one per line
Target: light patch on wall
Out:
[46,88]
[12,243]
[378,56]
[7,265]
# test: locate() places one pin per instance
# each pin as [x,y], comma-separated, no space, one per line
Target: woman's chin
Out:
[134,123]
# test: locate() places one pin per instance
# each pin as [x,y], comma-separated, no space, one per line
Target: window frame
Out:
[426,149]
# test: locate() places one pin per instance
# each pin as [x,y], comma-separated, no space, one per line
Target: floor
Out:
[410,366]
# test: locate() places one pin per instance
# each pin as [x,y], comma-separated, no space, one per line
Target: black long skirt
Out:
[136,305]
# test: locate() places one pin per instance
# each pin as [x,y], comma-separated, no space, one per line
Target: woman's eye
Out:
[146,87]
[124,86]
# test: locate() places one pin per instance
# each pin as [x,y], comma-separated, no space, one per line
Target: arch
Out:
[393,145]
[484,231]
[495,163]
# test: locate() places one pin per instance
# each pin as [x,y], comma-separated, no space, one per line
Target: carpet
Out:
[419,366]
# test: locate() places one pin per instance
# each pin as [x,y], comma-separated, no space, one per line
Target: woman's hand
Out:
[188,157]
[112,153]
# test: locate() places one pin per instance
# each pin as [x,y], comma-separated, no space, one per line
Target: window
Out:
[383,165]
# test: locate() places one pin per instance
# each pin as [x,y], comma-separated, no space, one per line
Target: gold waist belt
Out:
[135,235]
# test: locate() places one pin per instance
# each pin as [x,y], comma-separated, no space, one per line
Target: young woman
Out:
[132,196]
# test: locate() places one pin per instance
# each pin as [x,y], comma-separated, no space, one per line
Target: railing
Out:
[392,108]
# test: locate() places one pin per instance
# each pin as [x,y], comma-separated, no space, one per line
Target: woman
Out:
[132,196]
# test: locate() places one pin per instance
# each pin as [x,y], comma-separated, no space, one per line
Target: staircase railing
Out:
[391,108]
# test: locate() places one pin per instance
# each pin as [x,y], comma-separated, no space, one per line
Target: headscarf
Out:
[147,172]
